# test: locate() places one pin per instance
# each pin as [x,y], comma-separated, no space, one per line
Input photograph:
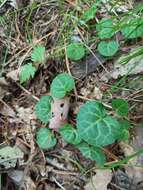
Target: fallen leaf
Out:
[25,114]
[132,67]
[10,155]
[87,66]
[16,176]
[59,109]
[100,180]
[7,111]
[134,169]
[14,75]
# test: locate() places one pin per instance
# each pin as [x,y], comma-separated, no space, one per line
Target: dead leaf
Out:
[100,180]
[134,172]
[14,75]
[60,109]
[25,114]
[87,66]
[27,184]
[3,87]
[16,176]
[132,67]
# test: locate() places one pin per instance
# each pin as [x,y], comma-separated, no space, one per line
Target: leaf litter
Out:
[62,167]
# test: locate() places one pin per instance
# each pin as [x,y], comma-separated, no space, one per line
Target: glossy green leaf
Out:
[95,126]
[108,49]
[89,13]
[75,51]
[38,54]
[69,134]
[133,29]
[45,138]
[93,153]
[105,28]
[43,109]
[27,71]
[120,106]
[61,85]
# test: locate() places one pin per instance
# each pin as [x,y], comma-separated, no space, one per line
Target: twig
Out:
[58,184]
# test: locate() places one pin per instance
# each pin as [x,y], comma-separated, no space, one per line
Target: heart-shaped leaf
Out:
[92,153]
[43,109]
[108,49]
[45,138]
[75,51]
[61,85]
[120,106]
[69,134]
[95,126]
[105,28]
[89,13]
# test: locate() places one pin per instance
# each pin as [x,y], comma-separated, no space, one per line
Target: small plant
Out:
[95,127]
[43,109]
[61,85]
[38,54]
[105,28]
[28,70]
[45,139]
[75,51]
[108,49]
[89,13]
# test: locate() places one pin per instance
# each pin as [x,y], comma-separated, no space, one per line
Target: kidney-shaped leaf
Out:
[75,51]
[61,85]
[108,49]
[89,13]
[69,134]
[94,126]
[45,138]
[121,106]
[43,109]
[92,153]
[105,28]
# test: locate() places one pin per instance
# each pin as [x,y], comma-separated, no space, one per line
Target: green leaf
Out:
[43,109]
[108,49]
[45,138]
[38,54]
[27,71]
[89,13]
[120,106]
[124,135]
[75,51]
[125,124]
[61,85]
[93,153]
[133,29]
[95,126]
[69,134]
[105,28]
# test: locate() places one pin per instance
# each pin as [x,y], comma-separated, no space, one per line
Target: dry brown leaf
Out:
[134,66]
[25,114]
[60,109]
[134,172]
[7,111]
[100,180]
[14,75]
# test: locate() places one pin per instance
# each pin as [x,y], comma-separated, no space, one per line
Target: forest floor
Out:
[100,74]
